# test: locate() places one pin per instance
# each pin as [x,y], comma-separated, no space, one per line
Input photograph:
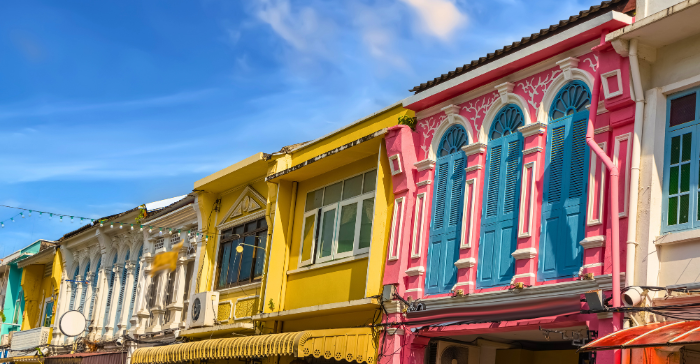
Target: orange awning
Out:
[656,334]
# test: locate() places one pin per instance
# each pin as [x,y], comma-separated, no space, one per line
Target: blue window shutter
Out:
[565,186]
[95,278]
[448,198]
[74,289]
[501,195]
[137,271]
[680,191]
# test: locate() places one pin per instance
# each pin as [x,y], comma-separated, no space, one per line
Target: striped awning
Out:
[350,344]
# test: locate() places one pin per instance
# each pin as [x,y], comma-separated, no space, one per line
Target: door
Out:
[446,222]
[499,222]
[565,184]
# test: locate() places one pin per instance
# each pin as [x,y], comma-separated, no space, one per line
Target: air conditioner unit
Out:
[5,340]
[29,339]
[452,353]
[203,308]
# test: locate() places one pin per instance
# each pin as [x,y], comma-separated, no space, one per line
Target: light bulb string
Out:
[102,222]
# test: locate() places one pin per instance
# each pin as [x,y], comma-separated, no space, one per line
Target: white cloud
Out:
[302,28]
[440,17]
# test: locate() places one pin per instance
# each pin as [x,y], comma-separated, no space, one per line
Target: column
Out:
[88,294]
[141,315]
[176,307]
[60,307]
[116,286]
[102,292]
[200,244]
[128,291]
[158,310]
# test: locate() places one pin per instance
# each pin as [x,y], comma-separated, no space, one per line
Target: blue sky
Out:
[105,105]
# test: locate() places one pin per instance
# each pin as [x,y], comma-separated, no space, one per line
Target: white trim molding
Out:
[473,168]
[462,284]
[506,98]
[593,242]
[414,290]
[398,169]
[395,239]
[469,206]
[415,271]
[424,164]
[474,148]
[465,263]
[453,118]
[532,150]
[566,65]
[529,177]
[553,89]
[237,207]
[525,253]
[424,183]
[535,128]
[606,88]
[616,161]
[233,313]
[523,275]
[590,220]
[418,224]
[602,129]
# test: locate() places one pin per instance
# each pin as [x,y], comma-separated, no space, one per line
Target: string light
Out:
[22,215]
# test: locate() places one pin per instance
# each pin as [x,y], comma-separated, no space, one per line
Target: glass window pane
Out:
[225,256]
[366,223]
[673,211]
[370,181]
[683,209]
[346,231]
[238,230]
[675,149]
[234,263]
[260,254]
[685,177]
[673,181]
[262,223]
[682,110]
[687,143]
[326,238]
[352,187]
[313,200]
[247,258]
[332,194]
[308,238]
[251,226]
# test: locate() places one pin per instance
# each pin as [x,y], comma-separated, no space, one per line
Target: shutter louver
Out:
[494,181]
[556,164]
[455,199]
[578,157]
[512,173]
[440,196]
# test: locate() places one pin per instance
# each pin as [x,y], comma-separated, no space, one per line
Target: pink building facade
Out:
[502,215]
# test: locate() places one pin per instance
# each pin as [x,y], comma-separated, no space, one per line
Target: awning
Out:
[350,344]
[657,334]
[28,359]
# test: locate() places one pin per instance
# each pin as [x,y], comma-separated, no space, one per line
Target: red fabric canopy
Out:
[656,334]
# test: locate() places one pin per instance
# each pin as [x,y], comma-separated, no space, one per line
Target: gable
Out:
[249,202]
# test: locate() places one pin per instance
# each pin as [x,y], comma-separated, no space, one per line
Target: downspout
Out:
[270,225]
[635,162]
[614,195]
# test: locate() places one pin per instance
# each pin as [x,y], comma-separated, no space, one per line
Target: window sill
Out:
[242,287]
[328,264]
[676,237]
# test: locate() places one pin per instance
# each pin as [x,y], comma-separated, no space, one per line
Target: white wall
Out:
[649,7]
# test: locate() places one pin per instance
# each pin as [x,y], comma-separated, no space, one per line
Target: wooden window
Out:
[241,268]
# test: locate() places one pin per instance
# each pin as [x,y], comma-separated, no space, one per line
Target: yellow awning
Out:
[350,344]
[23,359]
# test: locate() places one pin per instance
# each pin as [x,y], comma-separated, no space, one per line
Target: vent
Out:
[48,268]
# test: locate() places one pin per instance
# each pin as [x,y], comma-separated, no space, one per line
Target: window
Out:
[74,289]
[48,314]
[681,165]
[338,219]
[240,268]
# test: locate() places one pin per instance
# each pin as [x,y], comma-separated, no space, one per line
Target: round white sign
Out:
[72,323]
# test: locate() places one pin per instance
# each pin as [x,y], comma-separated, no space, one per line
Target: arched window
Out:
[95,278]
[445,228]
[83,284]
[133,291]
[108,304]
[120,301]
[499,219]
[565,182]
[74,288]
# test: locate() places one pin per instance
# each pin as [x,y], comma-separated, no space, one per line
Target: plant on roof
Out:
[142,214]
[411,121]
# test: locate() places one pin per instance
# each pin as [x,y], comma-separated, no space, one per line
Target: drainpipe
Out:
[614,198]
[635,162]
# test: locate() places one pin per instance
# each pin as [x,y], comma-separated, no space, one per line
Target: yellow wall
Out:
[336,283]
[37,289]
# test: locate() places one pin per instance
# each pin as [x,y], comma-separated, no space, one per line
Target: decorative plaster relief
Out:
[424,164]
[476,109]
[535,89]
[468,221]
[396,229]
[527,200]
[415,271]
[606,78]
[593,242]
[426,128]
[395,164]
[465,263]
[595,215]
[623,142]
[417,243]
[526,253]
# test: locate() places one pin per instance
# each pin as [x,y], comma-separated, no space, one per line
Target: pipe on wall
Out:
[635,162]
[614,197]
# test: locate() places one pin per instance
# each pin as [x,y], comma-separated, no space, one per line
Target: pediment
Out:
[248,202]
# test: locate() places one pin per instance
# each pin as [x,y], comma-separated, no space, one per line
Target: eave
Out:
[526,57]
[237,174]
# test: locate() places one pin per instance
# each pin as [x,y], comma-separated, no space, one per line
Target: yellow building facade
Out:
[293,252]
[41,281]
